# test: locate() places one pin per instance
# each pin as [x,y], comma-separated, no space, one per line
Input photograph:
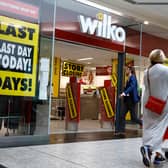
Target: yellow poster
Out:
[114,73]
[56,76]
[71,103]
[18,57]
[114,79]
[72,69]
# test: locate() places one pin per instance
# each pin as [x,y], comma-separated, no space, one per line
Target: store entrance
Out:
[96,68]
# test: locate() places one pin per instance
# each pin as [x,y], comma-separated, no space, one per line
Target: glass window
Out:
[25,69]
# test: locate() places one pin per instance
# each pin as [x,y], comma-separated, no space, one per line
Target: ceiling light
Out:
[84,59]
[146,22]
[98,6]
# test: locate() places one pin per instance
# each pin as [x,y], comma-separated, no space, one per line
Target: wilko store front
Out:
[102,43]
[91,48]
[62,68]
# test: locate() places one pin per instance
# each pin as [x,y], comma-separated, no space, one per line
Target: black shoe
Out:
[159,159]
[166,154]
[146,155]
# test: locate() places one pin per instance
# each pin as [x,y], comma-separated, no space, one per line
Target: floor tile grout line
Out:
[57,157]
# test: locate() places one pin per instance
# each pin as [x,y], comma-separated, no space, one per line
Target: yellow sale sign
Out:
[56,76]
[72,69]
[18,57]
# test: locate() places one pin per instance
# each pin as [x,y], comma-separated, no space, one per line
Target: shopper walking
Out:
[154,125]
[131,98]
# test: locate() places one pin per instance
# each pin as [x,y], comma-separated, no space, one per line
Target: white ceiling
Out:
[155,14]
[72,52]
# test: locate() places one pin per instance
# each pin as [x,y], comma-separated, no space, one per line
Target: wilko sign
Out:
[102,27]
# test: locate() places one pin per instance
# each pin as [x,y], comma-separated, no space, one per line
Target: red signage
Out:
[103,70]
[107,102]
[19,8]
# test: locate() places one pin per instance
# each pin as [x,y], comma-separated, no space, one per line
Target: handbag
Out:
[154,104]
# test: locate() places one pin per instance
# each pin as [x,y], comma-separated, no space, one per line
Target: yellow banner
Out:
[18,57]
[114,73]
[72,69]
[71,103]
[107,104]
[114,79]
[56,76]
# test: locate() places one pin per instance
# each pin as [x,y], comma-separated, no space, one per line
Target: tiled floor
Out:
[89,130]
[58,126]
[92,136]
[96,154]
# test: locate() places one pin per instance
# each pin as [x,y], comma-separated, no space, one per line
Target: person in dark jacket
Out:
[131,98]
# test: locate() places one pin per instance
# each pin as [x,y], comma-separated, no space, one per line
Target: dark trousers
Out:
[128,105]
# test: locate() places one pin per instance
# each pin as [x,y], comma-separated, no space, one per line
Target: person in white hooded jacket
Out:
[155,125]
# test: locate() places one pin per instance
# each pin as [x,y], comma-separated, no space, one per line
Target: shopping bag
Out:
[165,137]
[155,105]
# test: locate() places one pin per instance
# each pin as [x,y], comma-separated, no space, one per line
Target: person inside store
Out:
[155,125]
[130,99]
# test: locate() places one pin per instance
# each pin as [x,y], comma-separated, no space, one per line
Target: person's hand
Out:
[122,95]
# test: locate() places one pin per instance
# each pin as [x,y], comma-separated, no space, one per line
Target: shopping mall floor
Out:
[118,153]
[79,150]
